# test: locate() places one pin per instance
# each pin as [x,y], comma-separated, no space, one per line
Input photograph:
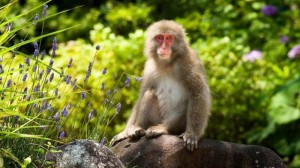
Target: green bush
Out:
[244,47]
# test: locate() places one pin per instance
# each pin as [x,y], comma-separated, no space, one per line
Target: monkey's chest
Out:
[172,96]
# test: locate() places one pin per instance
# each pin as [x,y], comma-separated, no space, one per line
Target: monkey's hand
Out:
[155,131]
[131,132]
[190,141]
[118,138]
[135,131]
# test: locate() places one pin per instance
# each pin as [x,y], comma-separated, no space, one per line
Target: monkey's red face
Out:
[164,45]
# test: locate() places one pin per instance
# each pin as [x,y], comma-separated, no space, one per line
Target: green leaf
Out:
[284,114]
[283,106]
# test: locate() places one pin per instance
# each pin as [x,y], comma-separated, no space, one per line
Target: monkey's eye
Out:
[169,38]
[159,38]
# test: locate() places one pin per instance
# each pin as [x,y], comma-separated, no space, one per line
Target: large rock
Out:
[168,151]
[84,154]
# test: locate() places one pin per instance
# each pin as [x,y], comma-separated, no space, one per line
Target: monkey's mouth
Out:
[164,56]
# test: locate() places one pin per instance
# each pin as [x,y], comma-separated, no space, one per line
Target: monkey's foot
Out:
[190,141]
[135,132]
[118,138]
[155,131]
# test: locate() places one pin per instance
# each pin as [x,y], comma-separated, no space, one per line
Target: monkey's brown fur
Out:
[174,96]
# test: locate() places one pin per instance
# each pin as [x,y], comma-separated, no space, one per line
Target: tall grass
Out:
[33,91]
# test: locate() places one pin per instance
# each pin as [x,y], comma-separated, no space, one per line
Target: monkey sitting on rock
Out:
[174,95]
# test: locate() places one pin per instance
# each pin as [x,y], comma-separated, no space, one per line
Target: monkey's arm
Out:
[198,109]
[138,119]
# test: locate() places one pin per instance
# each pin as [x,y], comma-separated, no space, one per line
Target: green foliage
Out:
[255,98]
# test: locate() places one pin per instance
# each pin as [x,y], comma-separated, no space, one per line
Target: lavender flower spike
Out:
[54,47]
[62,135]
[253,55]
[104,71]
[8,83]
[83,95]
[91,114]
[70,63]
[44,13]
[25,77]
[64,112]
[118,108]
[27,61]
[36,17]
[294,52]
[127,82]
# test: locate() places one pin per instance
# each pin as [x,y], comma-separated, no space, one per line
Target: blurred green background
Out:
[254,101]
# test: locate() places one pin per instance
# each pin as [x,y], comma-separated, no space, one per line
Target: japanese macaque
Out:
[174,96]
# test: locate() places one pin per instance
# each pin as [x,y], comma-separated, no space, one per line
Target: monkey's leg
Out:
[146,114]
[149,115]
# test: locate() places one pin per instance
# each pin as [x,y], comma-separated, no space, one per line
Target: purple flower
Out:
[54,46]
[91,114]
[55,117]
[36,45]
[36,53]
[48,70]
[104,71]
[269,10]
[294,52]
[73,83]
[51,77]
[64,112]
[67,79]
[138,79]
[44,105]
[118,108]
[8,83]
[83,95]
[34,68]
[62,135]
[106,100]
[127,82]
[253,55]
[284,39]
[88,72]
[25,90]
[25,77]
[27,61]
[70,63]
[102,86]
[108,92]
[44,13]
[103,141]
[41,74]
[36,17]
[51,62]
[37,88]
[98,47]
